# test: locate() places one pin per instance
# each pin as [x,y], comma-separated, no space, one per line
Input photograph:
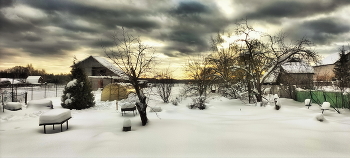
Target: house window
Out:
[94,71]
[98,71]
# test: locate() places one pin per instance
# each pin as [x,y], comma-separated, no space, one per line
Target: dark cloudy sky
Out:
[48,33]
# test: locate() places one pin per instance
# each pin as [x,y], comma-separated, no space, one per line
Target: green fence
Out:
[336,99]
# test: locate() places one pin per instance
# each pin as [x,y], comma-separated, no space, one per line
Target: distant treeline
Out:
[22,72]
[154,80]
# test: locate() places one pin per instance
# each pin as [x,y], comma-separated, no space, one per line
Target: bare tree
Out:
[201,72]
[165,85]
[135,59]
[221,60]
[263,58]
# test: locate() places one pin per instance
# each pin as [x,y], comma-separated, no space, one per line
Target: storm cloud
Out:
[277,10]
[321,31]
[60,28]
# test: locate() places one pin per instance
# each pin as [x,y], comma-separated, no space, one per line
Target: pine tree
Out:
[78,93]
[342,73]
[342,69]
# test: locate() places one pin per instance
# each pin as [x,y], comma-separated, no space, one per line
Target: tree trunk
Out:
[259,95]
[141,107]
[249,92]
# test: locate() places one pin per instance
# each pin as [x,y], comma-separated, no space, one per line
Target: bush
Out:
[198,102]
[176,101]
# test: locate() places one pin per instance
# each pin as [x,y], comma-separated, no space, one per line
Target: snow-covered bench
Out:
[127,106]
[325,106]
[54,116]
[13,106]
[40,103]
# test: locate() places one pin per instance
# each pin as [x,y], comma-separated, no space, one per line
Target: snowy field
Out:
[227,128]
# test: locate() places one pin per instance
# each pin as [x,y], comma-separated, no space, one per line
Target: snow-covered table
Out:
[40,103]
[55,116]
[325,106]
[128,106]
[13,106]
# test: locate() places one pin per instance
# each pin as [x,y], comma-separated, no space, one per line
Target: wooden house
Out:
[294,72]
[100,71]
[324,72]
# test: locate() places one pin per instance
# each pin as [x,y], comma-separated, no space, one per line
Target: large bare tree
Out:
[201,72]
[135,59]
[222,59]
[259,55]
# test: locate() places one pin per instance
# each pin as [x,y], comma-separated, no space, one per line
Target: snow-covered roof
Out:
[330,59]
[103,61]
[12,81]
[109,65]
[289,67]
[33,79]
[297,67]
[272,78]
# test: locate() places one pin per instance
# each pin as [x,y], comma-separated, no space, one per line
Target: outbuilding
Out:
[34,80]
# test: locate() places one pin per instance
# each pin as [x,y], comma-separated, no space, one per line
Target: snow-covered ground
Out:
[227,128]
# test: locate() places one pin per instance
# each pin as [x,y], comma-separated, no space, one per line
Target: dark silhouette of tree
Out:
[165,83]
[202,75]
[342,69]
[342,72]
[135,59]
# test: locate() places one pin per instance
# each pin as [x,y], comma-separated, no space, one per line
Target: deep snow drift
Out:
[227,128]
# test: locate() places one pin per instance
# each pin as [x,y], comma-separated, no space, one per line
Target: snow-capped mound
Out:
[39,103]
[13,106]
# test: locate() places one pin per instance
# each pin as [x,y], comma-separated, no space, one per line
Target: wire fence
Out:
[31,92]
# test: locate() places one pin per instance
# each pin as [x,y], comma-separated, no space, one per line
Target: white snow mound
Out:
[126,105]
[54,116]
[320,117]
[39,103]
[13,106]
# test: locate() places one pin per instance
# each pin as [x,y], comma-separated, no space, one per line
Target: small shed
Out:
[294,72]
[34,80]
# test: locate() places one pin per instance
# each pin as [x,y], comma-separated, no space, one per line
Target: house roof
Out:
[291,67]
[297,67]
[104,62]
[33,79]
[272,78]
[330,59]
[109,65]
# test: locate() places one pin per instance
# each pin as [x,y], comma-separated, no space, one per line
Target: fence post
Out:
[25,97]
[32,92]
[45,91]
[2,101]
[12,95]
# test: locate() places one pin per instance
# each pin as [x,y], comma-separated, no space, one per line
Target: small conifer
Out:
[77,94]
